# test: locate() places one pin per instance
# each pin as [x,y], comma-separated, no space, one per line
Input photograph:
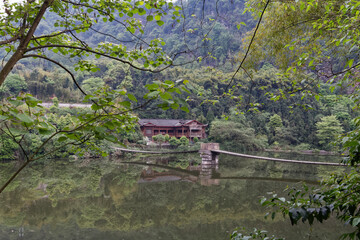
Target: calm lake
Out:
[156,197]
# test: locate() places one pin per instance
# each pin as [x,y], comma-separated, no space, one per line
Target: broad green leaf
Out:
[160,23]
[16,132]
[149,18]
[16,103]
[132,97]
[126,104]
[142,11]
[175,106]
[355,222]
[152,94]
[24,118]
[62,139]
[96,107]
[44,131]
[165,96]
[185,109]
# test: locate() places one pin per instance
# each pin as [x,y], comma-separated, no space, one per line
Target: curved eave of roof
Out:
[168,122]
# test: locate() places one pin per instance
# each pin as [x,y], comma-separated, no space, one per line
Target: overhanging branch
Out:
[60,65]
[56,34]
[249,46]
[98,53]
[10,40]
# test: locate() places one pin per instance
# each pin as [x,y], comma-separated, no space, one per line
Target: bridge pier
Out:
[207,156]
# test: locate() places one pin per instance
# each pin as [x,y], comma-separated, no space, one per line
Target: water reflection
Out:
[205,175]
[148,198]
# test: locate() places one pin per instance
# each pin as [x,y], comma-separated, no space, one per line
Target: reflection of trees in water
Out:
[111,197]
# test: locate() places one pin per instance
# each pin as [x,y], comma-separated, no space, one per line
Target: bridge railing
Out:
[209,153]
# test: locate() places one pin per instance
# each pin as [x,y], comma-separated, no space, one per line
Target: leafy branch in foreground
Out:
[20,21]
[339,194]
[110,116]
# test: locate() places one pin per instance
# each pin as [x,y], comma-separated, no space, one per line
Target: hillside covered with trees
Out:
[302,122]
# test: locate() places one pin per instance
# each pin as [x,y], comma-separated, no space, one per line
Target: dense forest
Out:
[252,120]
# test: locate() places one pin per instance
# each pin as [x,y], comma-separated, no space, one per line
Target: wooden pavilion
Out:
[173,127]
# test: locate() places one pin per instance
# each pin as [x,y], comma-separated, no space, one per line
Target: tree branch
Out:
[24,42]
[10,40]
[341,72]
[60,65]
[14,139]
[13,176]
[249,46]
[98,53]
[109,35]
[56,34]
[106,14]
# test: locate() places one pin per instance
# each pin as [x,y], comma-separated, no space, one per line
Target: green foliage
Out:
[210,115]
[196,139]
[167,137]
[328,130]
[55,101]
[274,122]
[25,113]
[338,194]
[184,141]
[8,148]
[174,141]
[160,138]
[234,134]
[302,147]
[13,85]
[304,38]
[90,85]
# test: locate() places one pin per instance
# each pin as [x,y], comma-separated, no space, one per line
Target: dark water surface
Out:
[163,197]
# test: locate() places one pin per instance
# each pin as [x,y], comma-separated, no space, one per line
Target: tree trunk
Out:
[24,42]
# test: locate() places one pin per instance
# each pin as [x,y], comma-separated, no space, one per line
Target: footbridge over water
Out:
[209,153]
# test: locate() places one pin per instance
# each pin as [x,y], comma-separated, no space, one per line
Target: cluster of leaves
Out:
[74,18]
[339,194]
[173,141]
[351,142]
[163,91]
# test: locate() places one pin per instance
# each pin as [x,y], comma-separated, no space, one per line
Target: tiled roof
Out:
[164,122]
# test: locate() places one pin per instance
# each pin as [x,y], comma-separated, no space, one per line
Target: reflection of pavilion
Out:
[203,174]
